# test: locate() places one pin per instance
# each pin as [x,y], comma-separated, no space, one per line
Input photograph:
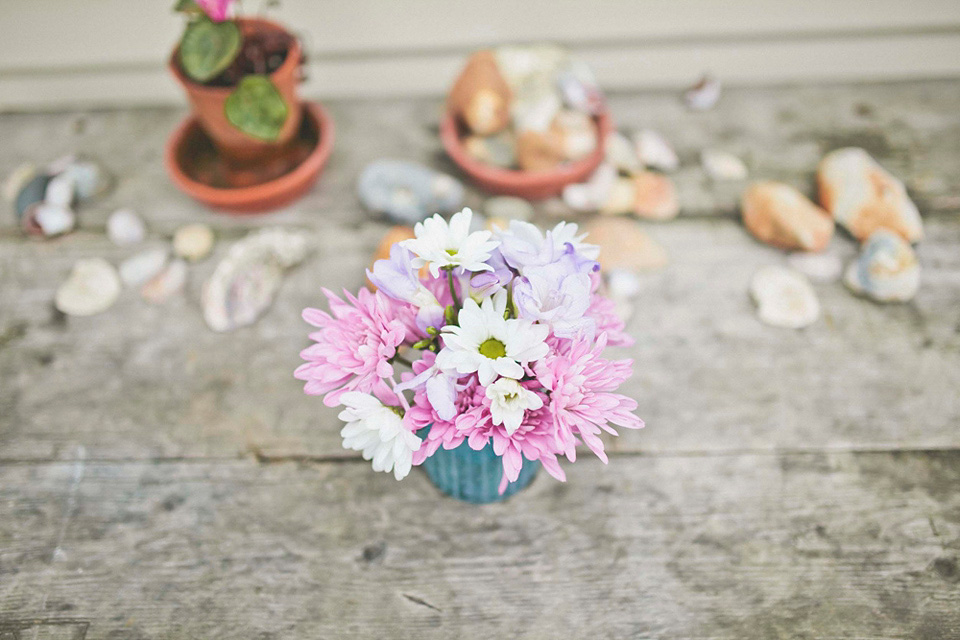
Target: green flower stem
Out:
[453,289]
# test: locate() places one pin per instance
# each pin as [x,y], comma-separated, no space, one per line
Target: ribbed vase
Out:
[474,476]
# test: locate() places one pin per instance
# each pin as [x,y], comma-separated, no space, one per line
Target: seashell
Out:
[704,94]
[654,151]
[54,220]
[622,283]
[90,179]
[480,96]
[781,216]
[499,150]
[540,151]
[92,287]
[523,65]
[591,195]
[60,191]
[125,228]
[721,165]
[621,198]
[31,194]
[784,298]
[169,282]
[535,111]
[408,192]
[819,267]
[620,153]
[508,208]
[886,269]
[193,242]
[655,197]
[624,245]
[579,88]
[863,197]
[244,283]
[142,267]
[578,132]
[17,180]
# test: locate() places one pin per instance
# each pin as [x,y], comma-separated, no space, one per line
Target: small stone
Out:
[579,88]
[31,194]
[480,97]
[784,298]
[591,195]
[781,216]
[92,287]
[703,95]
[499,150]
[169,282]
[579,134]
[886,269]
[622,283]
[508,208]
[408,192]
[125,228]
[863,197]
[142,267]
[540,151]
[193,242]
[621,199]
[654,151]
[523,65]
[656,197]
[624,245]
[244,283]
[721,165]
[17,180]
[819,267]
[60,191]
[620,153]
[535,111]
[90,179]
[54,220]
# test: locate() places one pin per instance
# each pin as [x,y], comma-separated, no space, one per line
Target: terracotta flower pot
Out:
[209,103]
[532,185]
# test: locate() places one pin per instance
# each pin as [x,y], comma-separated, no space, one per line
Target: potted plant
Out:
[241,76]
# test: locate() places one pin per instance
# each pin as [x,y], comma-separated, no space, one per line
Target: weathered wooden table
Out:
[159,480]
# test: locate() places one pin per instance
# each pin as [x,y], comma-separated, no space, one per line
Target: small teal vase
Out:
[474,476]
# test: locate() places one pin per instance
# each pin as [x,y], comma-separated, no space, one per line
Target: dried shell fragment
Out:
[92,287]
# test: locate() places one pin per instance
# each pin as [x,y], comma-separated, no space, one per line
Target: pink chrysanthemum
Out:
[604,313]
[580,384]
[353,346]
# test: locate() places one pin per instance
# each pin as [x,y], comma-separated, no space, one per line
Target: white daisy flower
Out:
[508,401]
[378,431]
[486,343]
[439,244]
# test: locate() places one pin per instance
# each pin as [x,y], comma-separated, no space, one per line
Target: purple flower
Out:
[557,294]
[397,278]
[523,245]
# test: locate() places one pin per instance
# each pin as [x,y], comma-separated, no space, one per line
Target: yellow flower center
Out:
[493,348]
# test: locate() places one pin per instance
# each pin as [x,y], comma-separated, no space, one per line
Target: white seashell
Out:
[124,228]
[53,219]
[654,151]
[703,95]
[784,298]
[579,134]
[142,267]
[193,242]
[721,165]
[60,191]
[89,178]
[819,267]
[166,284]
[886,269]
[622,197]
[92,287]
[593,194]
[579,88]
[621,154]
[508,208]
[245,281]
[535,112]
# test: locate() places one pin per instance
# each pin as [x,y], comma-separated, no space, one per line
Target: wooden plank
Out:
[618,66]
[768,546]
[147,381]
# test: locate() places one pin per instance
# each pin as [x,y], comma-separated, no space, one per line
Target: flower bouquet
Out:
[501,337]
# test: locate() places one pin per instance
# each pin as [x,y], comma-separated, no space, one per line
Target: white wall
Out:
[56,53]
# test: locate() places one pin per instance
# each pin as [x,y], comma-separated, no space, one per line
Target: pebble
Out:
[90,179]
[624,245]
[92,287]
[508,208]
[540,151]
[499,150]
[30,194]
[819,267]
[622,283]
[781,216]
[886,269]
[579,134]
[169,282]
[60,191]
[244,283]
[721,165]
[193,242]
[654,151]
[595,192]
[621,198]
[703,95]
[784,298]
[579,88]
[17,180]
[142,267]
[656,197]
[125,228]
[53,219]
[408,192]
[620,153]
[863,197]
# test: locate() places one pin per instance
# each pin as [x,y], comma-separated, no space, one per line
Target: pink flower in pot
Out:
[216,10]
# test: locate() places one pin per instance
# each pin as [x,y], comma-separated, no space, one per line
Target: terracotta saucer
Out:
[196,169]
[532,185]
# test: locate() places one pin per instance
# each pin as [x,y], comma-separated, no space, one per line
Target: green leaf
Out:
[257,108]
[208,47]
[188,7]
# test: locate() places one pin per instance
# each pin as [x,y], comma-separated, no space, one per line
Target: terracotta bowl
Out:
[196,168]
[532,185]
